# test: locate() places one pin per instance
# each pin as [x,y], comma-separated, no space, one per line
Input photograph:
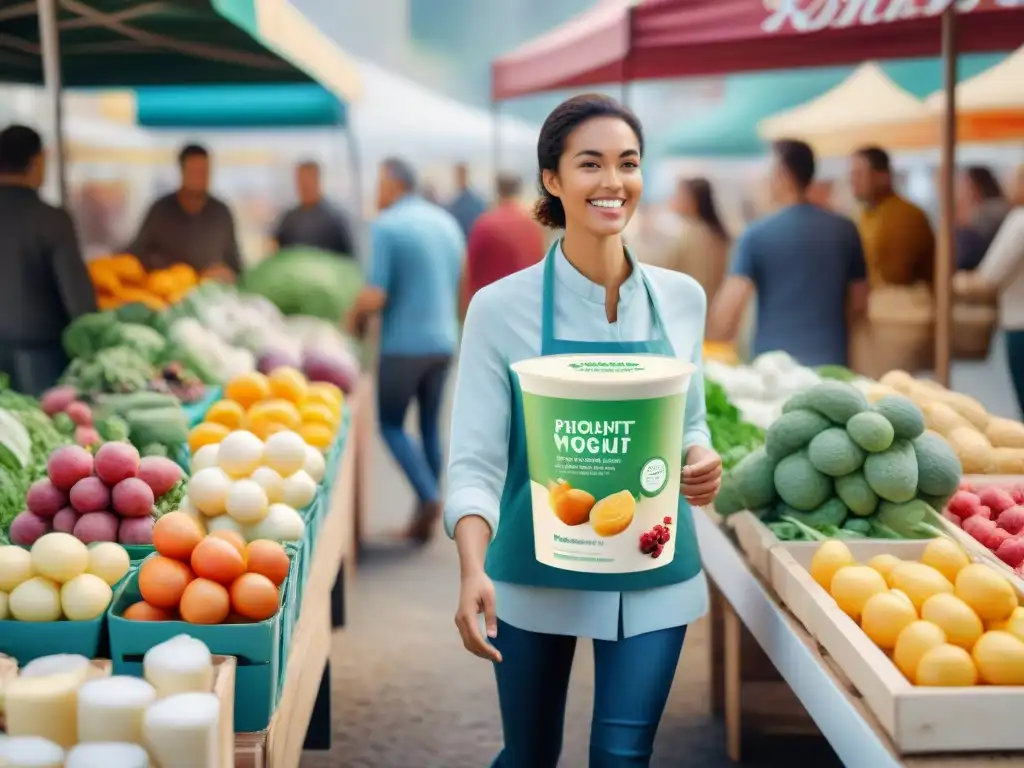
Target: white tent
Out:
[866,99]
[399,117]
[999,87]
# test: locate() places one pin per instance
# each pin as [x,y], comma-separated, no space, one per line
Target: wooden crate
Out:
[755,539]
[918,720]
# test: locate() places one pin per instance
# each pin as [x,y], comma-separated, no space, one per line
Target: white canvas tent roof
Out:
[999,87]
[866,98]
[399,117]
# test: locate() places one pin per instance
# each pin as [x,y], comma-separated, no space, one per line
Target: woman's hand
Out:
[702,476]
[475,597]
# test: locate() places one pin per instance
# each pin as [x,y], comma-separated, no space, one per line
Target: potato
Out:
[940,418]
[1008,461]
[901,381]
[975,452]
[969,408]
[1005,433]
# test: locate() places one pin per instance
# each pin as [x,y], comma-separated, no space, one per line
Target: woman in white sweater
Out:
[1001,272]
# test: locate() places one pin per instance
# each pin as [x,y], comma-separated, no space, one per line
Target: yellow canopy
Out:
[858,111]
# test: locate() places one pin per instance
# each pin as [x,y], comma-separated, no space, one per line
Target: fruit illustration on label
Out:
[613,514]
[570,505]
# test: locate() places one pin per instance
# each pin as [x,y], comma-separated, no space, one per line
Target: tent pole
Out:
[945,256]
[49,39]
[359,203]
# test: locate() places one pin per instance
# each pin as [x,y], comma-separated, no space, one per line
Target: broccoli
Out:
[112,429]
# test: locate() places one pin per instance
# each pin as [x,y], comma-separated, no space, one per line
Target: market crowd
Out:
[804,271]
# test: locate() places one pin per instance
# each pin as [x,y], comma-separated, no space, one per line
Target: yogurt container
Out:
[604,444]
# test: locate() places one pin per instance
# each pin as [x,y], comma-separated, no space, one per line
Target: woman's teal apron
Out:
[511,557]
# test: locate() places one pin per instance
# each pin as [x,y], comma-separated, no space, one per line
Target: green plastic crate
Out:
[28,640]
[139,552]
[257,647]
[289,614]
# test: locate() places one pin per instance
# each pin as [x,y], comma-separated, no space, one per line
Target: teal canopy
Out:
[730,129]
[239,107]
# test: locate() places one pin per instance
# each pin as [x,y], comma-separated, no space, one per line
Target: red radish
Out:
[67,465]
[87,436]
[90,494]
[996,537]
[1012,519]
[963,504]
[55,400]
[27,527]
[984,513]
[116,462]
[159,473]
[136,531]
[45,499]
[64,521]
[979,527]
[96,526]
[952,518]
[133,498]
[1011,551]
[1018,494]
[995,499]
[965,485]
[80,413]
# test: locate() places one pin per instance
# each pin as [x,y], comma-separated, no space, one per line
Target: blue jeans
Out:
[632,681]
[401,380]
[1015,362]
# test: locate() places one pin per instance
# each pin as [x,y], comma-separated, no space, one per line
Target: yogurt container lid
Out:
[612,370]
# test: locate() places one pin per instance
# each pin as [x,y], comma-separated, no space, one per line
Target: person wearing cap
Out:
[44,283]
[415,271]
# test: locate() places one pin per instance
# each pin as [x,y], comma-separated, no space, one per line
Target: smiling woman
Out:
[588,297]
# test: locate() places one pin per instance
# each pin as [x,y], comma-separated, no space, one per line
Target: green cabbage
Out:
[306,281]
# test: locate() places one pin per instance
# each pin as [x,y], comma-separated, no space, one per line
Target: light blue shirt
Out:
[503,325]
[416,259]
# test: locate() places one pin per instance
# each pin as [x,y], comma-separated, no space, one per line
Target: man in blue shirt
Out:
[806,266]
[467,206]
[415,272]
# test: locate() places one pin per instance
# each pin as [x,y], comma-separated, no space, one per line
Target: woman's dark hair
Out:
[984,182]
[562,121]
[704,200]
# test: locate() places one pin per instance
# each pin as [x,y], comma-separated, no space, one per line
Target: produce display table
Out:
[843,720]
[303,711]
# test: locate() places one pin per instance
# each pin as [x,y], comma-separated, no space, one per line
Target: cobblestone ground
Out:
[406,694]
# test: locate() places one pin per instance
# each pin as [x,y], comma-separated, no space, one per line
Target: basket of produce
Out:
[928,639]
[180,712]
[55,596]
[217,588]
[112,496]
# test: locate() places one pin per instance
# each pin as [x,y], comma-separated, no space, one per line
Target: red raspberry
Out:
[663,539]
[657,551]
[668,520]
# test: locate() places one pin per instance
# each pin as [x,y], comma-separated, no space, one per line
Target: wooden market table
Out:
[303,716]
[749,605]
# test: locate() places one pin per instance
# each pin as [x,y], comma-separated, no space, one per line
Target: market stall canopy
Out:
[133,43]
[302,105]
[865,98]
[621,40]
[999,88]
[728,129]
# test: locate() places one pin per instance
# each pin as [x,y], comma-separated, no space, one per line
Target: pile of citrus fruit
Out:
[263,405]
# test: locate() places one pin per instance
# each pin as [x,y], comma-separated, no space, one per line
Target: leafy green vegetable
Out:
[115,369]
[86,335]
[171,500]
[112,428]
[148,343]
[731,436]
[306,281]
[836,372]
[911,520]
